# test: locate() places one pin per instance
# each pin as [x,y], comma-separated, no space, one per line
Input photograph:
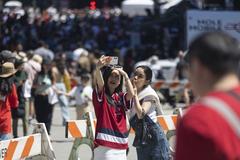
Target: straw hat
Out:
[7,70]
[37,58]
[22,56]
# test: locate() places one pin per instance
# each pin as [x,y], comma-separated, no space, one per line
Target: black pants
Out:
[44,111]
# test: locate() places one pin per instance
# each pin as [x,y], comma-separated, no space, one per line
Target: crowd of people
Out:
[41,84]
[55,57]
[106,31]
[28,79]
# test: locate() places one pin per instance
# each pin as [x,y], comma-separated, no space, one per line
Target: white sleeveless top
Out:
[149,94]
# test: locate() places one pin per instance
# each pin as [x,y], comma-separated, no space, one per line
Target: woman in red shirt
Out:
[8,99]
[110,105]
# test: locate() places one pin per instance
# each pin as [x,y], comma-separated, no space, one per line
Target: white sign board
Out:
[205,21]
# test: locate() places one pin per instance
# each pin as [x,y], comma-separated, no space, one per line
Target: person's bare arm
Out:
[54,75]
[130,91]
[98,79]
[140,109]
[68,94]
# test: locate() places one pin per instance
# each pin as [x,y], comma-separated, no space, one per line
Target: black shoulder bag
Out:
[145,130]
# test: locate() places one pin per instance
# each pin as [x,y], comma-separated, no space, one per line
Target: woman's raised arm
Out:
[103,60]
[130,91]
[141,110]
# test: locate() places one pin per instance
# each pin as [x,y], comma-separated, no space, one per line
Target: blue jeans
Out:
[63,102]
[156,151]
[4,137]
[150,140]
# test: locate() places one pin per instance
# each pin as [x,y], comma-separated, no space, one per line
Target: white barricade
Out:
[78,128]
[36,146]
[84,131]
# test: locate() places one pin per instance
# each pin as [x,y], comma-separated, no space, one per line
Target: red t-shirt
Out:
[203,134]
[6,103]
[111,129]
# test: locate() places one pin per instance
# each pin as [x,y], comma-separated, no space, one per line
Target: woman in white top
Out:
[150,140]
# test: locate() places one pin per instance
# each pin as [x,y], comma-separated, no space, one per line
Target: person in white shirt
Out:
[150,140]
[82,93]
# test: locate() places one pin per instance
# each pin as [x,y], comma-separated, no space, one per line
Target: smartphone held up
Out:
[113,61]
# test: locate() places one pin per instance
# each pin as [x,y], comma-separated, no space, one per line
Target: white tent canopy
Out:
[136,7]
[13,4]
[137,2]
[169,4]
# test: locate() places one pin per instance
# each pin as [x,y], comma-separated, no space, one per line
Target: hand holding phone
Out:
[105,60]
[114,61]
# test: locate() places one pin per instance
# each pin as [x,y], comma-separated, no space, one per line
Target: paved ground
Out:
[62,146]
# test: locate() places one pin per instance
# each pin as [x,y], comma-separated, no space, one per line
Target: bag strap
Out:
[234,95]
[225,111]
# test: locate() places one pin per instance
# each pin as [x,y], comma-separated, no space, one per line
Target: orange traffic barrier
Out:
[78,128]
[37,144]
[161,84]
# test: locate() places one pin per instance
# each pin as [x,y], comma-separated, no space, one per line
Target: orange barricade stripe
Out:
[73,129]
[95,123]
[131,130]
[175,119]
[188,85]
[158,84]
[174,84]
[162,123]
[11,149]
[27,147]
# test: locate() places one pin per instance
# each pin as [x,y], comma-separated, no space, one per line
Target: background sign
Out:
[205,21]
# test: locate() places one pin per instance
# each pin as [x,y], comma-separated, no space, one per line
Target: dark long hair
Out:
[6,85]
[60,66]
[107,70]
[148,72]
[49,73]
